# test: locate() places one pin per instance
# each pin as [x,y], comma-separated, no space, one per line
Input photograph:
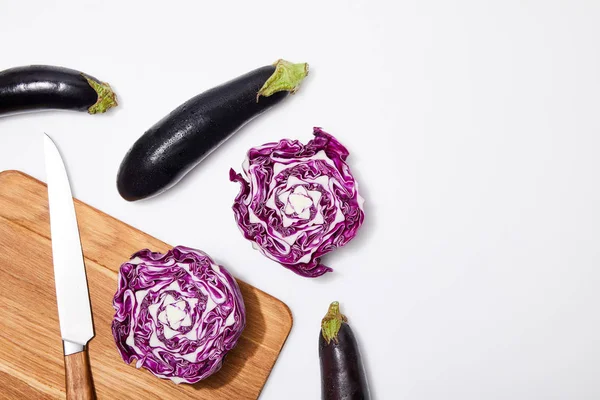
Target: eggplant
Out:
[342,372]
[41,87]
[171,148]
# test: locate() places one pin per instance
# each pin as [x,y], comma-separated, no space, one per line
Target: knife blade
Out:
[72,296]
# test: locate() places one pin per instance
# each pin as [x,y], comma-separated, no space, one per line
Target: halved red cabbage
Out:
[298,202]
[177,314]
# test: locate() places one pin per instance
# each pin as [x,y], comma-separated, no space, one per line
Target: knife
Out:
[72,297]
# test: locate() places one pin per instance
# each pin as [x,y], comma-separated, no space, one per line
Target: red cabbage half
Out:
[177,314]
[298,202]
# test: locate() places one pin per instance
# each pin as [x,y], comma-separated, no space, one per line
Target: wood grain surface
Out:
[31,359]
[78,376]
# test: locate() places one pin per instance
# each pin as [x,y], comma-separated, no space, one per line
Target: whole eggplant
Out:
[40,87]
[181,140]
[342,372]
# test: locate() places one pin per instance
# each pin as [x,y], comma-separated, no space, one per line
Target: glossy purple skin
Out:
[318,173]
[343,375]
[214,311]
[39,87]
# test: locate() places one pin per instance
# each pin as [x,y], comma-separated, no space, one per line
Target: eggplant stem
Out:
[332,322]
[107,99]
[287,76]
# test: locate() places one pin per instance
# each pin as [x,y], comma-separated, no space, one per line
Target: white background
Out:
[474,132]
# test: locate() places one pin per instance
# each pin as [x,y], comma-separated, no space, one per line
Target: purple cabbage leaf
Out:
[177,314]
[298,202]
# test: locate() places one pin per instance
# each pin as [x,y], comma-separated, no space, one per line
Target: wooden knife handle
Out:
[78,375]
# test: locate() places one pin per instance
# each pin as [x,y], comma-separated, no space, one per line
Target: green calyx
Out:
[287,76]
[332,322]
[107,99]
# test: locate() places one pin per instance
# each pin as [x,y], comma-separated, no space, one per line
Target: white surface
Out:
[473,129]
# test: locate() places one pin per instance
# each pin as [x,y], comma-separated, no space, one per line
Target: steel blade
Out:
[72,295]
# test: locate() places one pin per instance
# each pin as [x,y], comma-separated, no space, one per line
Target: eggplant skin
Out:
[342,371]
[38,87]
[182,139]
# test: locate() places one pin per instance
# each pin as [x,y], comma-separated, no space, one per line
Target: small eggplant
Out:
[342,372]
[181,140]
[38,87]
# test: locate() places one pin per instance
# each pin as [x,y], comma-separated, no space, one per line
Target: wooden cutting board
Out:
[31,360]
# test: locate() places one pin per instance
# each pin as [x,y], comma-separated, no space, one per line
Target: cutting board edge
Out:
[10,172]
